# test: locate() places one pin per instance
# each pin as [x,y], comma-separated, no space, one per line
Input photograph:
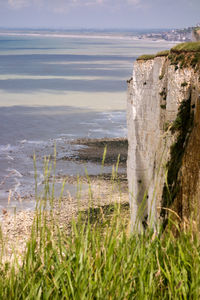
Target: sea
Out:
[56,87]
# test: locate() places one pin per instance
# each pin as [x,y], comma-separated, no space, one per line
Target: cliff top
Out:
[193,47]
[183,55]
[187,47]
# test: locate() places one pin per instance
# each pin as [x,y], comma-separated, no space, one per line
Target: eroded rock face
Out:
[159,94]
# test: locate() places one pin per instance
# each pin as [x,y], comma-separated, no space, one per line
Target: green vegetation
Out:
[187,47]
[163,106]
[100,258]
[162,53]
[186,59]
[166,126]
[152,56]
[195,60]
[182,55]
[146,57]
[113,264]
[183,84]
[181,127]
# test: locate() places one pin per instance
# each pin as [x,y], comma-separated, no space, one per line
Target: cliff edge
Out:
[163,116]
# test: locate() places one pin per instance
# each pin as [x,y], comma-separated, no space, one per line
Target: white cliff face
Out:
[155,93]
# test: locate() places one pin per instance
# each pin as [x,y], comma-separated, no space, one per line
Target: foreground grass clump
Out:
[110,264]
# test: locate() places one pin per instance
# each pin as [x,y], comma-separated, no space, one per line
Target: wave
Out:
[7,149]
[15,172]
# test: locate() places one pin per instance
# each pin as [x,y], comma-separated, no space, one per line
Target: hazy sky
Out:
[99,13]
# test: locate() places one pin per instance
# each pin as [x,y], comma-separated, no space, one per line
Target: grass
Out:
[146,57]
[162,53]
[152,56]
[101,259]
[187,47]
[114,264]
[182,55]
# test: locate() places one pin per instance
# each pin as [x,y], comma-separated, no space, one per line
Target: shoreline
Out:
[93,150]
[85,36]
[16,228]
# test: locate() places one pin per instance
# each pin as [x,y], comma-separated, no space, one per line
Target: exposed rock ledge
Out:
[164,135]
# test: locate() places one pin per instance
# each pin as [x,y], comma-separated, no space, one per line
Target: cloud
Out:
[63,5]
[18,3]
[134,2]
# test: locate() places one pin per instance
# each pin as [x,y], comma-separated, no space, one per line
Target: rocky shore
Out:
[94,150]
[103,190]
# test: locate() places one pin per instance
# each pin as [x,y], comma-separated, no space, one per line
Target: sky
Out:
[133,14]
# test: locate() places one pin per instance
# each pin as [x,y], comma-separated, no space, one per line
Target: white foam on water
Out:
[36,142]
[17,185]
[66,135]
[89,123]
[99,130]
[4,149]
[9,157]
[15,172]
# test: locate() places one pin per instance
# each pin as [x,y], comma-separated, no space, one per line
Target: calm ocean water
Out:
[54,89]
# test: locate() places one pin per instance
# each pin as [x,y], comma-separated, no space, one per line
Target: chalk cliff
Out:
[163,116]
[196,34]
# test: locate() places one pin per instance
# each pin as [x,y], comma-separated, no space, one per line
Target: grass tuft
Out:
[146,57]
[162,53]
[187,47]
